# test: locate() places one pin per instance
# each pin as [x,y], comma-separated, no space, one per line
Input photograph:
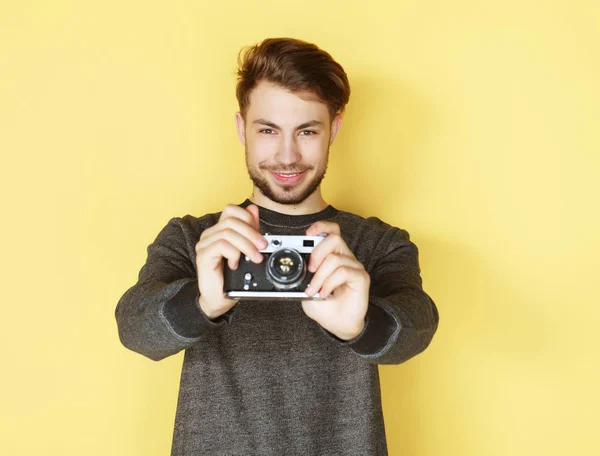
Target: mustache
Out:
[283,169]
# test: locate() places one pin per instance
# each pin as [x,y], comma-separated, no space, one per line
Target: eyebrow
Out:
[311,123]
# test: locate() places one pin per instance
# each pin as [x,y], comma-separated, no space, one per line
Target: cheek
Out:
[260,149]
[314,147]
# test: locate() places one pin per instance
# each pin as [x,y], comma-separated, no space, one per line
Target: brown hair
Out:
[295,65]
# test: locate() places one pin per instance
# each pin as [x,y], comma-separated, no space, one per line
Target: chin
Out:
[294,197]
[287,194]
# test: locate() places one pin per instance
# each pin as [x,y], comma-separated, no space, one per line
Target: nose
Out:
[289,152]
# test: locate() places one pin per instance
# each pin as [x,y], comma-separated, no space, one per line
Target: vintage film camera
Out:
[283,273]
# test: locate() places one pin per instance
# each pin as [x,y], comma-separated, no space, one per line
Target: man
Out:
[273,378]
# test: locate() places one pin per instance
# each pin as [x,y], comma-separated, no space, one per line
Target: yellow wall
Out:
[472,124]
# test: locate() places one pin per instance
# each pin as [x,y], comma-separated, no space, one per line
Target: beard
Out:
[286,194]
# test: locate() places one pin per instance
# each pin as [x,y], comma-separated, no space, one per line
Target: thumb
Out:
[253,209]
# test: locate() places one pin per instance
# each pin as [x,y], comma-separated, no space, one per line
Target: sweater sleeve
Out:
[401,318]
[160,315]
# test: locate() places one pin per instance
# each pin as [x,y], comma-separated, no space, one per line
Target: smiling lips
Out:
[288,178]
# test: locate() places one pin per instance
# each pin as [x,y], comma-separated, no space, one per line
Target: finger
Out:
[323,227]
[344,276]
[253,209]
[240,242]
[241,227]
[232,210]
[333,243]
[327,268]
[218,250]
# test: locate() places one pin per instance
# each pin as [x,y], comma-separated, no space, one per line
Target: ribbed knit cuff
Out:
[185,315]
[379,328]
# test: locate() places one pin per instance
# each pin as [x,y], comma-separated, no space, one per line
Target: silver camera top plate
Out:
[303,244]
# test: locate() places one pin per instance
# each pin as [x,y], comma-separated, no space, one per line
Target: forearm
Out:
[401,318]
[157,319]
[397,327]
[160,315]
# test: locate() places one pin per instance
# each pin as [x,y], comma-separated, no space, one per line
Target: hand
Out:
[341,279]
[236,232]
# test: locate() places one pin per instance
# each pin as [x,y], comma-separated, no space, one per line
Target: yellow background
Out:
[472,124]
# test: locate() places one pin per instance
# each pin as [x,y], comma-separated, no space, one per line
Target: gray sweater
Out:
[263,378]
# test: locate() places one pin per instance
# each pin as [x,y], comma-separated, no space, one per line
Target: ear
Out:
[336,124]
[241,127]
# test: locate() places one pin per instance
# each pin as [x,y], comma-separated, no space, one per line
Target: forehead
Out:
[277,104]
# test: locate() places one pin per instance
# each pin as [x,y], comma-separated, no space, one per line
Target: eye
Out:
[266,130]
[310,132]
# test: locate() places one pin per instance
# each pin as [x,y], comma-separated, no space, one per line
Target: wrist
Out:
[353,334]
[210,314]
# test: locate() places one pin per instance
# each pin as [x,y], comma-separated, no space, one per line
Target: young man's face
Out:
[287,138]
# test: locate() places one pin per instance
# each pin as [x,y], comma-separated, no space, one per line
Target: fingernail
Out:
[258,257]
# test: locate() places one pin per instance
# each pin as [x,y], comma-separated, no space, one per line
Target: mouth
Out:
[288,178]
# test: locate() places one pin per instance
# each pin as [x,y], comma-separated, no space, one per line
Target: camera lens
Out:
[286,269]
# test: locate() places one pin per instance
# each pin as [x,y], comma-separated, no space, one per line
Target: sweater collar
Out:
[271,217]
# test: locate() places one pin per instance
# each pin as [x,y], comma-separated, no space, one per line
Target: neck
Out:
[314,203]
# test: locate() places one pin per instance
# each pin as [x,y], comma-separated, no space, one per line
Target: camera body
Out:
[283,273]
